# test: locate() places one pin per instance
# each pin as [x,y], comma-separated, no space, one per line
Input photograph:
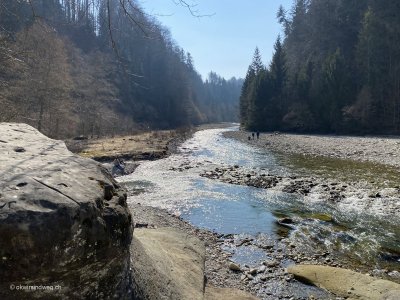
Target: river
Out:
[174,183]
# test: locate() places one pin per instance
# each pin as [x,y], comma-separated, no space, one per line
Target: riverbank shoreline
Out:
[382,150]
[270,279]
[147,145]
[141,146]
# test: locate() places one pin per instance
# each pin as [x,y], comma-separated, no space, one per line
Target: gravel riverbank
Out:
[383,150]
[333,173]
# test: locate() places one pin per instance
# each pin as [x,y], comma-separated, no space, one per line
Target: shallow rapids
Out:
[357,235]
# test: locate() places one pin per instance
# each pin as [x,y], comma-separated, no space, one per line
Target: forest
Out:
[100,67]
[335,69]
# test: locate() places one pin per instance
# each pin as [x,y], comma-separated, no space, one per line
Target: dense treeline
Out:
[95,67]
[337,69]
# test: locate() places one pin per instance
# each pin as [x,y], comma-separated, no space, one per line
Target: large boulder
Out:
[64,224]
[167,264]
[346,283]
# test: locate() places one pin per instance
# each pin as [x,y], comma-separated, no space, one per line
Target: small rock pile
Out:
[292,185]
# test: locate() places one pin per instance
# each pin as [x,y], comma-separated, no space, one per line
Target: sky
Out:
[224,37]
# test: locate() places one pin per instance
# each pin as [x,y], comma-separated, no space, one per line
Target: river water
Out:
[175,184]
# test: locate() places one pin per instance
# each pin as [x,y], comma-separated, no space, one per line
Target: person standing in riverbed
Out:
[258,135]
[252,134]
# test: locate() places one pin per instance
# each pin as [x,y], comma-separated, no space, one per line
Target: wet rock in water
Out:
[63,221]
[335,196]
[285,221]
[292,187]
[389,254]
[244,241]
[266,247]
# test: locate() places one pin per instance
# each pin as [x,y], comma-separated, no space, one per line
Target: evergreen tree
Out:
[257,64]
[336,70]
[278,78]
[245,96]
[248,106]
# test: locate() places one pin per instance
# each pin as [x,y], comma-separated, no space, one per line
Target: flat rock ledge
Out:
[167,263]
[64,222]
[346,283]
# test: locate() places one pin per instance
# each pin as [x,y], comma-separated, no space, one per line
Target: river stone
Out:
[262,269]
[63,221]
[213,293]
[253,271]
[234,267]
[346,283]
[285,220]
[167,264]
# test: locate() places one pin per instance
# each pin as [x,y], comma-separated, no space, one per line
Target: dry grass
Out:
[146,142]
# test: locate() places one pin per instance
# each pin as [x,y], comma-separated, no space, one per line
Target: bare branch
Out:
[191,8]
[114,46]
[122,2]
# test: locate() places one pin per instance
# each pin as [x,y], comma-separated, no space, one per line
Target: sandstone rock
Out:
[342,281]
[234,267]
[167,264]
[231,294]
[63,220]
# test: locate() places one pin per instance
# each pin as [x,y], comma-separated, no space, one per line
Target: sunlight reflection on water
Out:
[227,208]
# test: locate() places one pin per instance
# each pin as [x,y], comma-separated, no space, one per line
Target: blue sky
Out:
[225,41]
